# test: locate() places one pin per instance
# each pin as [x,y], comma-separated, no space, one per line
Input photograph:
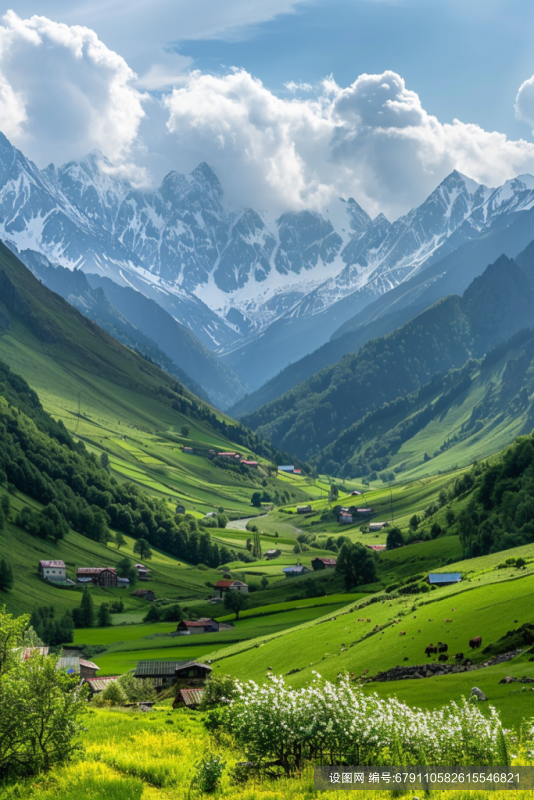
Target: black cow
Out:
[459,656]
[475,642]
[431,650]
[443,657]
[442,648]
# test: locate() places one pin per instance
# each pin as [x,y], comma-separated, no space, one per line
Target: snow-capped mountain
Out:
[230,276]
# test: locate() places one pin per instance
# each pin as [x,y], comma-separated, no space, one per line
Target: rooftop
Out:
[58,564]
[444,577]
[95,570]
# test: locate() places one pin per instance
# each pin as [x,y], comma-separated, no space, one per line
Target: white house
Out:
[52,570]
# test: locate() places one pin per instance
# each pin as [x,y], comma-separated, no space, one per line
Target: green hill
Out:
[308,419]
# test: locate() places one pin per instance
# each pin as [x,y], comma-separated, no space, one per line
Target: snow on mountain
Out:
[229,275]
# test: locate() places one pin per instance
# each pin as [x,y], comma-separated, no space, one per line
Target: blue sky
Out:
[447,60]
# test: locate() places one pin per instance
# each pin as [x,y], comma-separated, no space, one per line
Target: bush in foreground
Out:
[339,724]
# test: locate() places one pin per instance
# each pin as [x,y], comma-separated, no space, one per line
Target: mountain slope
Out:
[314,414]
[450,274]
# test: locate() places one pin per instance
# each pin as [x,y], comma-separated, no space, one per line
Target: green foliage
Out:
[50,629]
[185,430]
[143,549]
[264,582]
[40,707]
[171,613]
[394,538]
[153,614]
[125,569]
[6,575]
[256,546]
[120,541]
[135,689]
[256,499]
[209,772]
[356,564]
[84,615]
[104,461]
[218,690]
[114,695]
[500,511]
[104,616]
[235,602]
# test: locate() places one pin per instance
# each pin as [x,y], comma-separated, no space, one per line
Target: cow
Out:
[431,650]
[442,648]
[447,620]
[459,656]
[443,657]
[475,642]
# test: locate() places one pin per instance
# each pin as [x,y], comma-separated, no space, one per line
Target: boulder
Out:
[508,679]
[476,692]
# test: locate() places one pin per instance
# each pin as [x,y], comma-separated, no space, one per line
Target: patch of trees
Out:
[50,629]
[40,458]
[500,511]
[356,564]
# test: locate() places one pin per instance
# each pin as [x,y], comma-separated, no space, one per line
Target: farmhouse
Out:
[100,576]
[88,669]
[231,456]
[345,519]
[165,673]
[297,472]
[355,493]
[188,698]
[323,563]
[273,553]
[231,586]
[123,583]
[290,572]
[444,578]
[304,509]
[144,594]
[249,463]
[203,625]
[376,547]
[52,570]
[97,685]
[180,509]
[187,450]
[377,526]
[192,671]
[287,468]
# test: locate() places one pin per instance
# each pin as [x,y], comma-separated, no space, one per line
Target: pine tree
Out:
[6,575]
[104,617]
[256,547]
[87,611]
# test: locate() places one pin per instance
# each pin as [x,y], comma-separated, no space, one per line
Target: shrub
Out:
[209,772]
[113,695]
[218,690]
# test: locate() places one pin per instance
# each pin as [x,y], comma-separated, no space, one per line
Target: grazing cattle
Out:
[475,642]
[459,656]
[447,620]
[442,648]
[443,657]
[431,650]
[368,620]
[402,633]
[361,619]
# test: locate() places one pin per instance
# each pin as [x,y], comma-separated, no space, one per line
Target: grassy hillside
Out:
[325,415]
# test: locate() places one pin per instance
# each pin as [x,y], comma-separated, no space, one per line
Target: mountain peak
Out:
[457,179]
[204,174]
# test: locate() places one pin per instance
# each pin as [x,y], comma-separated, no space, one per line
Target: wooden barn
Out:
[144,594]
[166,673]
[188,698]
[304,509]
[291,572]
[97,685]
[231,586]
[100,576]
[272,553]
[203,625]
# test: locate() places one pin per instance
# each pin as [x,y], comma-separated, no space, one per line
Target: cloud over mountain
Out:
[63,92]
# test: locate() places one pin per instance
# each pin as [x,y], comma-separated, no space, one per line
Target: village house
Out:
[323,563]
[362,512]
[122,583]
[290,572]
[249,463]
[344,518]
[374,527]
[180,509]
[288,468]
[52,570]
[376,547]
[355,493]
[230,456]
[142,572]
[297,472]
[271,554]
[88,669]
[304,509]
[187,450]
[444,578]
[97,685]
[188,698]
[203,625]
[27,652]
[144,594]
[164,674]
[231,586]
[100,576]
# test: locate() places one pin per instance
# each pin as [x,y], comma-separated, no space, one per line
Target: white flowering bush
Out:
[330,723]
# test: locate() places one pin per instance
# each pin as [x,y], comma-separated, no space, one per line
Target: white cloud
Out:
[372,140]
[63,92]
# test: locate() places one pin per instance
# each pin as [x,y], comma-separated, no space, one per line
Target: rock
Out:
[508,679]
[476,692]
